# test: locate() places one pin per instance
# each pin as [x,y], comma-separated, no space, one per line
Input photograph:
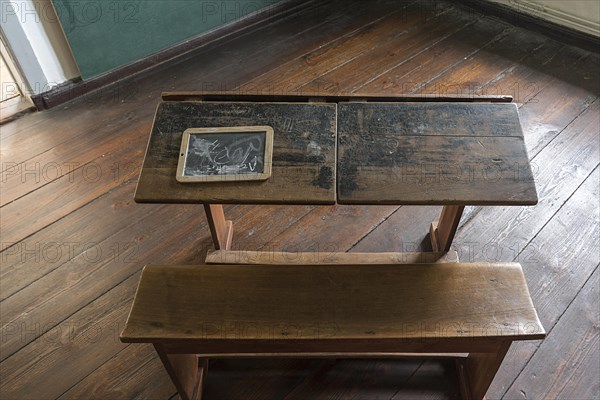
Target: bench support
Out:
[187,371]
[477,371]
[221,229]
[442,231]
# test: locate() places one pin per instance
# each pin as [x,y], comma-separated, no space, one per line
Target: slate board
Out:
[236,153]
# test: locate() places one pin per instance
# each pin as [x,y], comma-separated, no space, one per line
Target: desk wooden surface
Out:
[432,153]
[426,152]
[303,170]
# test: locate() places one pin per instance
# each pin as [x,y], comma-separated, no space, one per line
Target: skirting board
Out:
[76,88]
[558,32]
[544,9]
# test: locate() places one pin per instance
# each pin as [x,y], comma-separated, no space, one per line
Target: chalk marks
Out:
[222,154]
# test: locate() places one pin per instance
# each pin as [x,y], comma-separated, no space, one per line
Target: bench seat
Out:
[332,310]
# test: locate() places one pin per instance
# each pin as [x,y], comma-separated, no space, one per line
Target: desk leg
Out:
[221,230]
[443,231]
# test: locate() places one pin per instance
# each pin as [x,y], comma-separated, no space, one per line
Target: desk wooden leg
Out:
[442,232]
[221,230]
[477,371]
[187,371]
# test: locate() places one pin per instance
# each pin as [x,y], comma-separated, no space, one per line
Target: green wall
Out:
[105,34]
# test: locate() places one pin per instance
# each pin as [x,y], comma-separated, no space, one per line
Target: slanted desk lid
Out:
[303,168]
[432,153]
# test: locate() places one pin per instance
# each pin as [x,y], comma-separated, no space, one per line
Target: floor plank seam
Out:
[496,39]
[133,180]
[71,171]
[566,127]
[259,76]
[299,8]
[580,289]
[290,226]
[583,181]
[2,137]
[141,118]
[549,332]
[69,316]
[79,309]
[501,76]
[471,218]
[333,41]
[550,82]
[324,45]
[313,5]
[126,345]
[150,214]
[407,379]
[404,61]
[375,227]
[158,208]
[347,61]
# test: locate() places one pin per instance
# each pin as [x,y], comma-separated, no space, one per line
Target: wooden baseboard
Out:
[76,88]
[555,31]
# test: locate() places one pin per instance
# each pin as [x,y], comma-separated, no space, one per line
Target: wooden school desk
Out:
[361,150]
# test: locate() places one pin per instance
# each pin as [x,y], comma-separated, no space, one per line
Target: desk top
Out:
[303,169]
[432,153]
[354,152]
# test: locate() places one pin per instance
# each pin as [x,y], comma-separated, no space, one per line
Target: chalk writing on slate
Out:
[218,154]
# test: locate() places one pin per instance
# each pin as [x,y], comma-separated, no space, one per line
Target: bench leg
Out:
[187,371]
[221,230]
[477,371]
[442,231]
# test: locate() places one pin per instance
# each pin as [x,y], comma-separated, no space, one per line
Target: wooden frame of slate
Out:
[237,153]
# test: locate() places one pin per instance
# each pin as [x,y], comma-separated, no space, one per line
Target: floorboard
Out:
[405,45]
[558,262]
[74,242]
[66,239]
[576,335]
[446,53]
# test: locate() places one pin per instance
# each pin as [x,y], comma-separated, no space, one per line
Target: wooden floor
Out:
[73,240]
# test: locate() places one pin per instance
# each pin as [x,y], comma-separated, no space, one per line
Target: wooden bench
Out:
[470,311]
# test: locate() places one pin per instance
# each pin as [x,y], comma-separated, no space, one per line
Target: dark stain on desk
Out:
[348,173]
[432,153]
[325,178]
[298,157]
